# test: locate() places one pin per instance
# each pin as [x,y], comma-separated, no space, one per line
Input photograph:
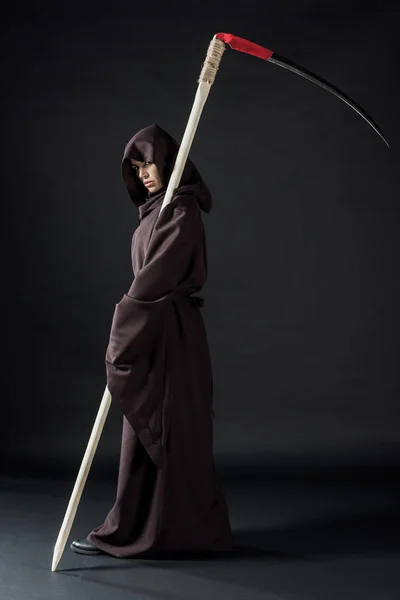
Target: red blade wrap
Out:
[238,43]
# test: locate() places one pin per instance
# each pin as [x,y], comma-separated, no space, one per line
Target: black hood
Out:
[153,144]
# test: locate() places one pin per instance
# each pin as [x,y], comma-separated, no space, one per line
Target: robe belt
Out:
[195,300]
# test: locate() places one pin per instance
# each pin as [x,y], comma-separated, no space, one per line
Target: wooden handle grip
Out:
[211,63]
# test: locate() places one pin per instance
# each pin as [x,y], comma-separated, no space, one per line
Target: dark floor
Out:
[299,538]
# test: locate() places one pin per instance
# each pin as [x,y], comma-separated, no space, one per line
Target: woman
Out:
[159,370]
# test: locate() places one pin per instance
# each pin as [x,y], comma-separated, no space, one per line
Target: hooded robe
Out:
[159,370]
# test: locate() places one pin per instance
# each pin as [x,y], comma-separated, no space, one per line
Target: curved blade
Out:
[248,47]
[290,66]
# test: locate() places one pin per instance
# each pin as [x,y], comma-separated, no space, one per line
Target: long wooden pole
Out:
[81,479]
[206,79]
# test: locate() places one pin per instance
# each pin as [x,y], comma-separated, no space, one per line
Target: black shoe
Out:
[85,547]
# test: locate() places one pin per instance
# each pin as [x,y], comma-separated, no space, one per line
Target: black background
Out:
[303,296]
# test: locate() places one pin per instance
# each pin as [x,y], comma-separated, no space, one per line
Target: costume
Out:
[159,370]
[158,364]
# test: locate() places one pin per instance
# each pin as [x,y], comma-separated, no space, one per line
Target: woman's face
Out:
[148,175]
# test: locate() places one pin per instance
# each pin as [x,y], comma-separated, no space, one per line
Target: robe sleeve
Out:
[140,315]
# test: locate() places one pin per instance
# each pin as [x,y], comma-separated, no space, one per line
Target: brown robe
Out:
[159,371]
